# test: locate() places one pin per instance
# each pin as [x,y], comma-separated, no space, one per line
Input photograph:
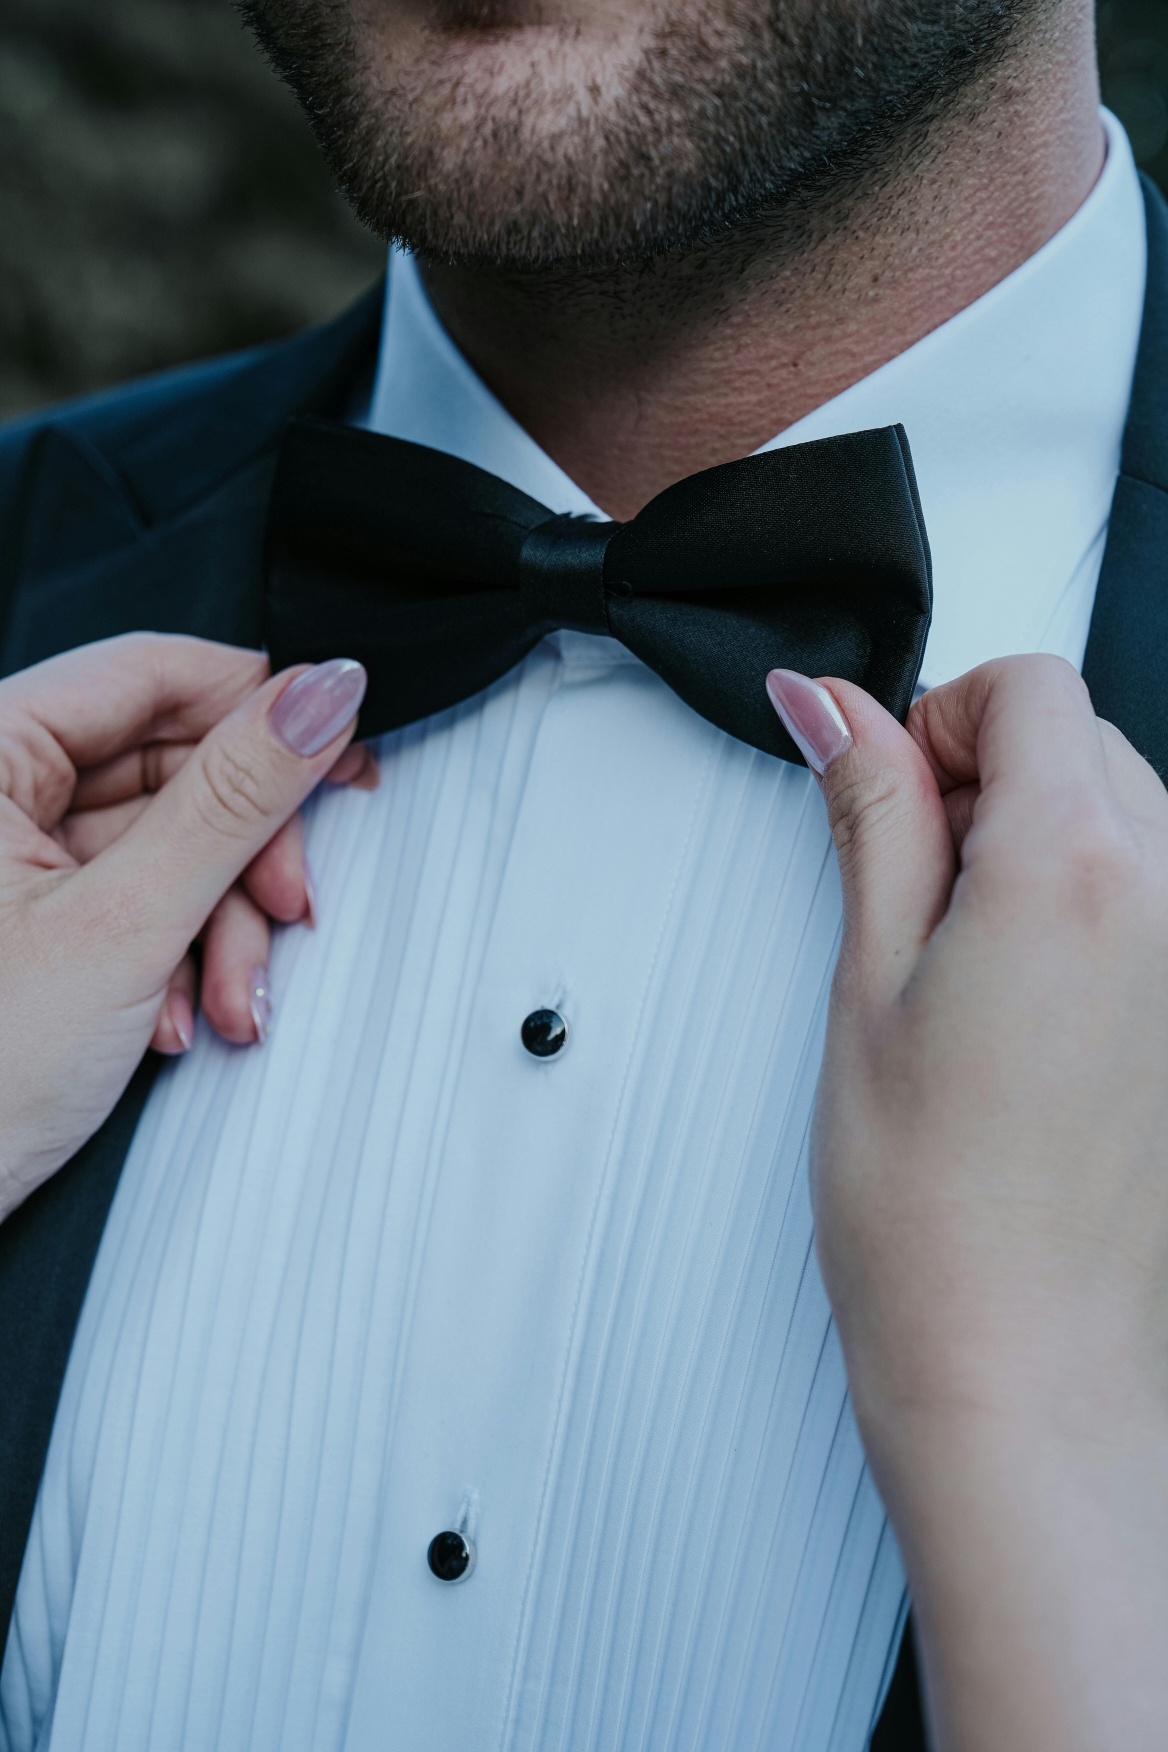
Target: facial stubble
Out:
[524,148]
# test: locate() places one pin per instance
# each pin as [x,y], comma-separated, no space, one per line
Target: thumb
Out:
[891,832]
[248,775]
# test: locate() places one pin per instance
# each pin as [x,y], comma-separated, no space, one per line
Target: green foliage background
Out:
[161,197]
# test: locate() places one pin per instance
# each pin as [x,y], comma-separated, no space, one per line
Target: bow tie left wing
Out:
[399,556]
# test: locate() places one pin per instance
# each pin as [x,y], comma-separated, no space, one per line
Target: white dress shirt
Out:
[389,1273]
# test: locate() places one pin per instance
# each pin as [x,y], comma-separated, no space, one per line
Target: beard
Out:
[516,145]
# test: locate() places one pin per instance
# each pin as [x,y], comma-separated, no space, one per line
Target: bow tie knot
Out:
[561,574]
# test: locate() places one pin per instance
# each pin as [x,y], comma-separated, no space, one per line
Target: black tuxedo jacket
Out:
[145,507]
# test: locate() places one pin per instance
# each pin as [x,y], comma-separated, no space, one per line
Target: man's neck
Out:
[632,380]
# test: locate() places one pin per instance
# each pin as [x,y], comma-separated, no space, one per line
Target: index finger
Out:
[101,699]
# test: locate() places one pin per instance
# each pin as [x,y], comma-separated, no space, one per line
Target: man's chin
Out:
[521,146]
[506,133]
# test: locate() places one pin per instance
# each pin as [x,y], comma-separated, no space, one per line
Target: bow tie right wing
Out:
[813,557]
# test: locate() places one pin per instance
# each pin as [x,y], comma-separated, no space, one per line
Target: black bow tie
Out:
[438,577]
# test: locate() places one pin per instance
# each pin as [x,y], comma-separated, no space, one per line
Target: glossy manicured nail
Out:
[310,891]
[260,1000]
[182,1018]
[810,717]
[316,707]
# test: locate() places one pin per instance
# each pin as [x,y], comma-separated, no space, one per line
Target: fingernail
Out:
[261,1003]
[310,891]
[318,705]
[810,717]
[182,1018]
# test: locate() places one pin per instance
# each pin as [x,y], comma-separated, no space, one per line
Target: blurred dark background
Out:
[161,197]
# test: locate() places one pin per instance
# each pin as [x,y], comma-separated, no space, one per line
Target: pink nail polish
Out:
[810,717]
[316,707]
[260,1001]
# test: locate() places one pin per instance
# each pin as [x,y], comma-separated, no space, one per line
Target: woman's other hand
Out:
[990,1179]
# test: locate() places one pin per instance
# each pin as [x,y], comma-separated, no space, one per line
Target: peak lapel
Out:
[90,567]
[144,509]
[1126,662]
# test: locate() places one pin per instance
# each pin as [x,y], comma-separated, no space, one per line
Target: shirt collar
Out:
[1014,409]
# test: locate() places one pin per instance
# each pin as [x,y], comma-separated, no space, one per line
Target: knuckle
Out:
[858,811]
[35,772]
[232,793]
[1039,670]
[1056,668]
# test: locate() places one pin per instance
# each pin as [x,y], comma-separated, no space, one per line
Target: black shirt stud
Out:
[543,1033]
[451,1557]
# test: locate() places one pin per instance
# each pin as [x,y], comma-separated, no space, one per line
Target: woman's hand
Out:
[230,983]
[148,795]
[990,1177]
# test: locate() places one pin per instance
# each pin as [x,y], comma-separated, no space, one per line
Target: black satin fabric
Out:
[439,577]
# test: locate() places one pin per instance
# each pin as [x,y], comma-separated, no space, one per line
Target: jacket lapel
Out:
[47,1249]
[196,573]
[1126,661]
[145,510]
